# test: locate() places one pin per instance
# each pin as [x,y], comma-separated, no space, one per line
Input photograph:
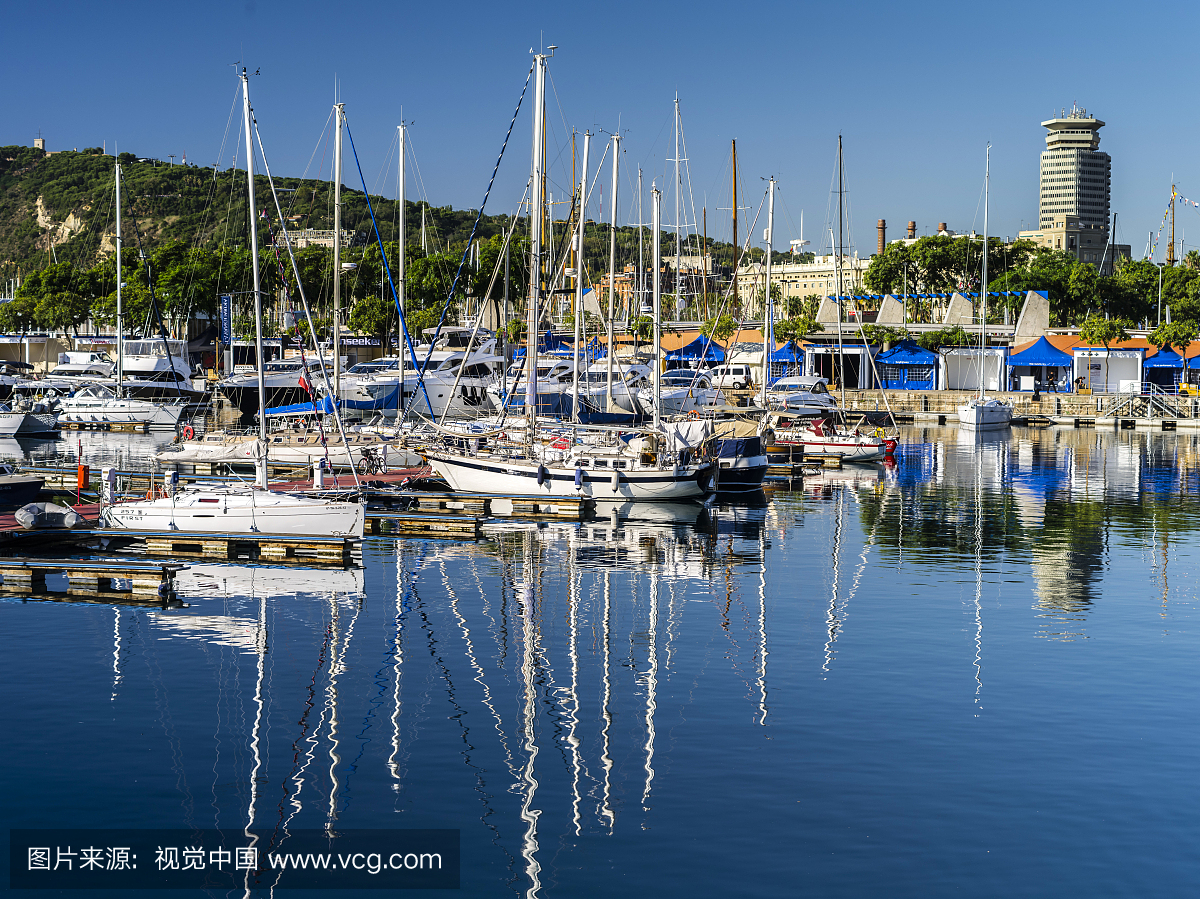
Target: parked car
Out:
[736,377]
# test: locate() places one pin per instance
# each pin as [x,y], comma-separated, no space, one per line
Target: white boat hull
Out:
[158,416]
[240,512]
[850,449]
[988,415]
[498,476]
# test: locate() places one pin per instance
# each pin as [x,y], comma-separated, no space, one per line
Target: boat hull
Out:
[501,477]
[265,513]
[158,416]
[985,416]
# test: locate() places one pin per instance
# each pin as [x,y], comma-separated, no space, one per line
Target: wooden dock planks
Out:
[149,582]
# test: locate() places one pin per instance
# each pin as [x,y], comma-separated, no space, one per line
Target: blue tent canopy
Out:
[906,353]
[907,366]
[1042,352]
[1164,358]
[790,353]
[702,348]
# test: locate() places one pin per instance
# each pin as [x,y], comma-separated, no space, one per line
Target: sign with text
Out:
[226,319]
[233,859]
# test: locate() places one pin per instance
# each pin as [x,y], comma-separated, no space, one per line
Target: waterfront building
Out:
[1076,176]
[1086,242]
[801,279]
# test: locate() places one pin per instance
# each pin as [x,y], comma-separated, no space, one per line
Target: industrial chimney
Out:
[941,227]
[912,230]
[882,226]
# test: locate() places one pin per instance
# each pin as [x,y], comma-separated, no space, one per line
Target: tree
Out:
[883,334]
[720,327]
[797,328]
[1104,331]
[62,311]
[1176,334]
[17,315]
[375,316]
[952,336]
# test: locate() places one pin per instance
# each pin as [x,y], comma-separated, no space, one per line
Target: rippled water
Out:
[973,672]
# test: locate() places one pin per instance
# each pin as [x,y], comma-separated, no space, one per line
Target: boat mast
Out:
[987,171]
[656,293]
[769,303]
[641,272]
[612,270]
[736,301]
[120,307]
[261,461]
[678,233]
[536,210]
[587,141]
[339,113]
[400,261]
[841,367]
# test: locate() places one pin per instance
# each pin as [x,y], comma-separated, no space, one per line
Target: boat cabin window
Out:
[206,500]
[602,463]
[618,463]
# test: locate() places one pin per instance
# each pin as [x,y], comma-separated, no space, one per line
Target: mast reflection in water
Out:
[975,663]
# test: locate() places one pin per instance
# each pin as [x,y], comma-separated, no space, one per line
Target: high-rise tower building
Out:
[1075,176]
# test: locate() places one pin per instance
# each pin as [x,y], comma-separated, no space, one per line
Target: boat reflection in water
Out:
[569,695]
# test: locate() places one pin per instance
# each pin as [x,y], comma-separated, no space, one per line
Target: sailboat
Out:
[659,465]
[982,412]
[102,405]
[242,508]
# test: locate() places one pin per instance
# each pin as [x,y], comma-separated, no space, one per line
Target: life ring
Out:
[188,432]
[879,432]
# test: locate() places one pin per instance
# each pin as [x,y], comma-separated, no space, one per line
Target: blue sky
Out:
[916,90]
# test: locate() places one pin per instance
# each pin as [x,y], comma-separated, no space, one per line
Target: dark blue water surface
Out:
[975,673]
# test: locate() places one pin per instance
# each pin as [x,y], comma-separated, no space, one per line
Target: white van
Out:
[736,376]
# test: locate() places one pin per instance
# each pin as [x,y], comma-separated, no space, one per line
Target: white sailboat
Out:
[242,508]
[982,412]
[655,466]
[100,405]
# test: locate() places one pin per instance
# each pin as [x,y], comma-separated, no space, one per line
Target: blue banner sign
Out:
[226,319]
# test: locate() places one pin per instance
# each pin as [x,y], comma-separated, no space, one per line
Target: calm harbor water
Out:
[972,672]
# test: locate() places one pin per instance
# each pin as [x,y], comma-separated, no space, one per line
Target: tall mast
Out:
[339,112]
[536,210]
[587,141]
[655,259]
[983,292]
[678,231]
[120,307]
[1171,245]
[261,462]
[641,272]
[401,259]
[736,249]
[841,367]
[768,303]
[612,269]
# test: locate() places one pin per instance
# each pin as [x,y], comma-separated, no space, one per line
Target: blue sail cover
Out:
[1042,352]
[1164,358]
[907,366]
[704,349]
[324,407]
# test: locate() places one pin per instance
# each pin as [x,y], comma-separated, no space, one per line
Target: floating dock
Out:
[149,582]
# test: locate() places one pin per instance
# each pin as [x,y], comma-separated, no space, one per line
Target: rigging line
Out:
[225,137]
[466,251]
[287,238]
[154,305]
